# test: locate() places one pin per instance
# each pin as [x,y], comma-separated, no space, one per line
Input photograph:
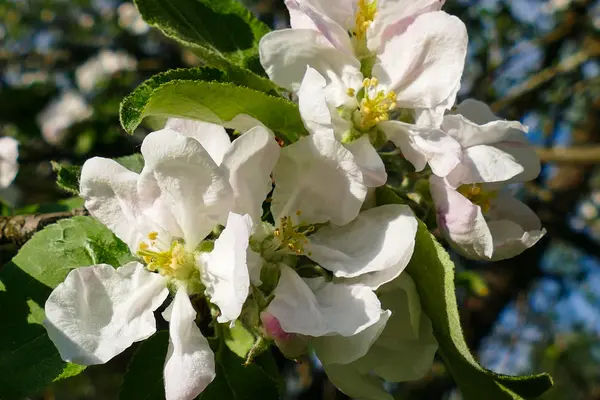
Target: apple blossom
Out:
[164,215]
[9,152]
[481,220]
[381,61]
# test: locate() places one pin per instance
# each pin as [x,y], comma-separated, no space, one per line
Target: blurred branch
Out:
[570,155]
[20,228]
[591,49]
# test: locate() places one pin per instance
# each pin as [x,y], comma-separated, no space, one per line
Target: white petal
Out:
[319,177]
[468,133]
[190,363]
[314,307]
[212,137]
[182,182]
[248,165]
[343,350]
[285,54]
[425,63]
[330,18]
[378,239]
[110,193]
[9,152]
[422,146]
[514,227]
[485,164]
[295,305]
[476,111]
[370,163]
[347,309]
[98,312]
[225,272]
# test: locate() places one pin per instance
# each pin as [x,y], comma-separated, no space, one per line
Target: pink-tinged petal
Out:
[110,193]
[329,18]
[99,311]
[422,146]
[290,344]
[394,17]
[424,65]
[461,221]
[190,363]
[9,152]
[285,54]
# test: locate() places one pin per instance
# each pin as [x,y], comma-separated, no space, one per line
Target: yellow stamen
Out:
[175,262]
[292,237]
[350,92]
[375,105]
[477,195]
[364,16]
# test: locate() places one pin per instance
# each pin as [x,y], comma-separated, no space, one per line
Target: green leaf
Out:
[28,359]
[205,94]
[144,377]
[67,176]
[433,272]
[258,380]
[213,29]
[239,339]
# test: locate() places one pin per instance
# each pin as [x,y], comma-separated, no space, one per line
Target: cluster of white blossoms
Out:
[284,233]
[9,166]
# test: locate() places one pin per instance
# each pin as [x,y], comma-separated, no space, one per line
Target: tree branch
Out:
[20,228]
[570,155]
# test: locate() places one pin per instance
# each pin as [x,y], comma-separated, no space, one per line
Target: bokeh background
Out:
[66,64]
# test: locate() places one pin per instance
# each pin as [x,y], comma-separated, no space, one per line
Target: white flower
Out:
[369,64]
[9,152]
[479,219]
[362,255]
[401,346]
[163,214]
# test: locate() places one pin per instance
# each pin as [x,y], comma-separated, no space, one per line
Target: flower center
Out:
[291,237]
[375,105]
[175,262]
[477,195]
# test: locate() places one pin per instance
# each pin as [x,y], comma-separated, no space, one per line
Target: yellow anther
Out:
[174,262]
[364,16]
[291,237]
[350,92]
[478,196]
[375,105]
[153,235]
